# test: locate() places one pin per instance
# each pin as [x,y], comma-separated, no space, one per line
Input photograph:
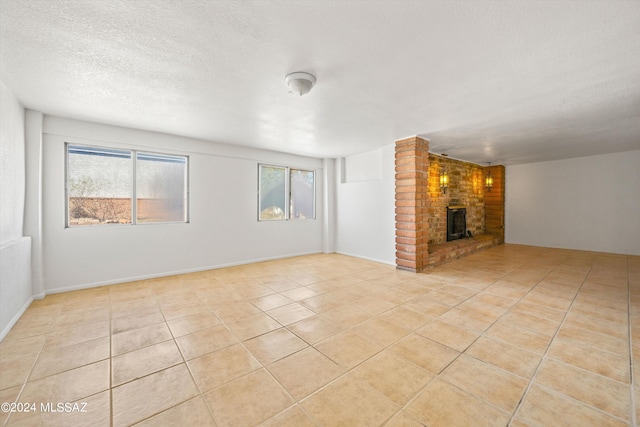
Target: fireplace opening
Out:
[456,223]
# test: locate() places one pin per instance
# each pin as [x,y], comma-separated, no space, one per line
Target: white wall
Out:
[366,205]
[12,172]
[223,228]
[15,249]
[33,213]
[588,203]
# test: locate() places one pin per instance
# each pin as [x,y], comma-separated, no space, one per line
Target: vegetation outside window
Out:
[103,182]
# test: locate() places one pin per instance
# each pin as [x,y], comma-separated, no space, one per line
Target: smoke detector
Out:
[300,83]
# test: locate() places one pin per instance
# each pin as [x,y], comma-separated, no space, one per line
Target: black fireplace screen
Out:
[456,223]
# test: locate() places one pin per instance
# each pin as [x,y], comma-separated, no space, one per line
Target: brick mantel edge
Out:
[412,203]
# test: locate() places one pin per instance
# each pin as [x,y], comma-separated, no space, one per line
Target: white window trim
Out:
[133,157]
[287,199]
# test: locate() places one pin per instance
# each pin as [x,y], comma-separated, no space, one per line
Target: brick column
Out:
[412,204]
[494,203]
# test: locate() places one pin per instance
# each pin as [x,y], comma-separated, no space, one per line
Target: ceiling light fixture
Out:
[300,83]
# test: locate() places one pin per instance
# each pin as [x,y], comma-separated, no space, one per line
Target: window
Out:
[102,184]
[273,190]
[285,193]
[161,184]
[303,194]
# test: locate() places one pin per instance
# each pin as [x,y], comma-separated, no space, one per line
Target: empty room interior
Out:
[319,213]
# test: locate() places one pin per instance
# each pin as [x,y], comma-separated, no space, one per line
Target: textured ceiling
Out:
[506,82]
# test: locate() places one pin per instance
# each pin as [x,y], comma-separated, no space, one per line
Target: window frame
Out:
[186,193]
[288,192]
[313,208]
[133,158]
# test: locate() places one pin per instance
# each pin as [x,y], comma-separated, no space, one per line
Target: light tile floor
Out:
[514,335]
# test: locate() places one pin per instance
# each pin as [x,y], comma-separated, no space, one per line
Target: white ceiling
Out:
[506,81]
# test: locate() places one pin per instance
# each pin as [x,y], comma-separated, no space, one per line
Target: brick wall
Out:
[421,206]
[466,188]
[412,227]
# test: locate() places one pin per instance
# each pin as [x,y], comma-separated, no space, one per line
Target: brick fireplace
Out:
[421,206]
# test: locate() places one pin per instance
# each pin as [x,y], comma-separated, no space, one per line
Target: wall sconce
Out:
[488,180]
[444,180]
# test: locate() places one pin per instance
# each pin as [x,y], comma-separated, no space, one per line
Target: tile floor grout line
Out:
[263,366]
[482,334]
[295,401]
[173,339]
[186,365]
[110,361]
[631,362]
[17,399]
[24,384]
[475,340]
[201,394]
[580,290]
[346,373]
[544,356]
[588,405]
[550,342]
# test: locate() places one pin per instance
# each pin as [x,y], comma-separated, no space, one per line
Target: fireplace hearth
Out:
[456,222]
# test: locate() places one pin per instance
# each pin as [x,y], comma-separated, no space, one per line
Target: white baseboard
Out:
[15,319]
[367,258]
[170,273]
[41,295]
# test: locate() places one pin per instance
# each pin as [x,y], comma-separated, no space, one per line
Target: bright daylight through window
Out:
[285,193]
[102,184]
